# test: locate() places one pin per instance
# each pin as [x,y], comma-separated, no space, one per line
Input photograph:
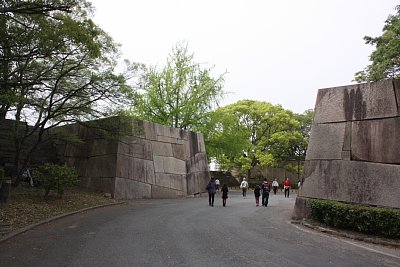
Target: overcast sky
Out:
[279,51]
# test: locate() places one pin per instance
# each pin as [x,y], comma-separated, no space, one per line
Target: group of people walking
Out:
[259,191]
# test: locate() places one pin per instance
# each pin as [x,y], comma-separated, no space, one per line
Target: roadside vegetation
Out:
[383,222]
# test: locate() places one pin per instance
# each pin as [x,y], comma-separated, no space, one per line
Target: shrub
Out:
[371,220]
[56,177]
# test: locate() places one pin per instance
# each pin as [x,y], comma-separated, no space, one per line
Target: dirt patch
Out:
[27,206]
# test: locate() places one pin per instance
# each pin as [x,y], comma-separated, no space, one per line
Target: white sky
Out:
[279,51]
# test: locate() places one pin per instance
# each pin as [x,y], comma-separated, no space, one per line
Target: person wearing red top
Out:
[286,186]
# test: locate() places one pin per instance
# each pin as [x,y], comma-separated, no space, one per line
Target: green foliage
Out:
[250,133]
[57,67]
[56,177]
[180,95]
[371,220]
[386,57]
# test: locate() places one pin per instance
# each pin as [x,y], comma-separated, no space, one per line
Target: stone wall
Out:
[155,161]
[354,151]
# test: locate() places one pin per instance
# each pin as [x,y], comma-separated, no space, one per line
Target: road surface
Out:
[188,232]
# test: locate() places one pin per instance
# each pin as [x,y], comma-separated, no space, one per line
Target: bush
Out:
[371,220]
[56,177]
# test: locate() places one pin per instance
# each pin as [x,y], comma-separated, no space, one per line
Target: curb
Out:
[358,237]
[29,227]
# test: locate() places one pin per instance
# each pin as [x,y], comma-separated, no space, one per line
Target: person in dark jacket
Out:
[224,191]
[265,192]
[257,194]
[211,188]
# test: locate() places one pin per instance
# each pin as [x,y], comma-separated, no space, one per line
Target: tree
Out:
[181,94]
[386,57]
[252,133]
[57,68]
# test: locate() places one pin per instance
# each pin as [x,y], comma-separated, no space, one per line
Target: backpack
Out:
[265,188]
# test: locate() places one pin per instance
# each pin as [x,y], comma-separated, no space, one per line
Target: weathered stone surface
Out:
[356,102]
[101,166]
[171,140]
[97,147]
[129,166]
[197,163]
[174,181]
[98,184]
[150,130]
[136,147]
[158,163]
[301,210]
[130,189]
[376,140]
[163,192]
[179,152]
[326,141]
[135,169]
[347,136]
[197,182]
[162,149]
[174,166]
[166,131]
[353,182]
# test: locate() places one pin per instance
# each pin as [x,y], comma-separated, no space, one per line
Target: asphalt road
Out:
[188,232]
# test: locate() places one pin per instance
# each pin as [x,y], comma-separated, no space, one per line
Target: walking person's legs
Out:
[212,199]
[209,199]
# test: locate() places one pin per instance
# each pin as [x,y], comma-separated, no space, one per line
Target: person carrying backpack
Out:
[265,192]
[244,185]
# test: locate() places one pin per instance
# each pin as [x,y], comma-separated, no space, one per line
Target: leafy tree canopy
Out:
[57,66]
[386,57]
[250,133]
[179,95]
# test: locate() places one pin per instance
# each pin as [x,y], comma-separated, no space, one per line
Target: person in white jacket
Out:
[244,185]
[275,186]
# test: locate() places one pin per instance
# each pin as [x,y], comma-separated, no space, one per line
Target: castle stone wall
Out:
[155,161]
[353,154]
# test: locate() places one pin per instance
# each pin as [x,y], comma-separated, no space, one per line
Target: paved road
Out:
[187,232]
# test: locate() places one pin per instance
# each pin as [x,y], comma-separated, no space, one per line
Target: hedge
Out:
[371,220]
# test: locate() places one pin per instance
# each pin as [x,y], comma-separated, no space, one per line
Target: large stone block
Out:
[166,131]
[326,141]
[174,181]
[301,209]
[101,166]
[174,166]
[136,147]
[169,165]
[179,151]
[162,149]
[163,192]
[135,169]
[376,140]
[197,182]
[149,130]
[97,147]
[352,182]
[197,163]
[356,102]
[130,189]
